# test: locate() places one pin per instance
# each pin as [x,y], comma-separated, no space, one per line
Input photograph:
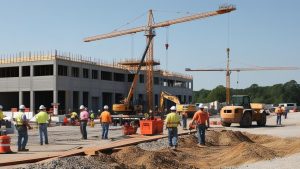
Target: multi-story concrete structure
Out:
[34,79]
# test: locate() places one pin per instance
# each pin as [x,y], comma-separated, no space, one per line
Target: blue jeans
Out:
[278,120]
[173,136]
[105,127]
[43,131]
[201,133]
[184,121]
[22,137]
[83,125]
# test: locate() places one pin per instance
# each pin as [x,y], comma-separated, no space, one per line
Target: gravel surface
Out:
[290,162]
[78,162]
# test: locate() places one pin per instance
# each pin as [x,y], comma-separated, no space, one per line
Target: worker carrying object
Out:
[279,111]
[84,117]
[42,118]
[200,118]
[2,122]
[92,118]
[172,122]
[21,126]
[105,120]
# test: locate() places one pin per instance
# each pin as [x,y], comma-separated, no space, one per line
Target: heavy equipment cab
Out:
[242,111]
[241,100]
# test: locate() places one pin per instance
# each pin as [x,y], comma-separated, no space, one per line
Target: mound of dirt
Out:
[225,148]
[226,138]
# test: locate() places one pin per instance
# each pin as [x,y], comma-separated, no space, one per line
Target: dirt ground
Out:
[225,148]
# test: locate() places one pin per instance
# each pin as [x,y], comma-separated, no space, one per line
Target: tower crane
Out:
[228,71]
[149,30]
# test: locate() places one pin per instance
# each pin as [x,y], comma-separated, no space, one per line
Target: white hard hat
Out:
[205,107]
[42,107]
[22,107]
[81,107]
[105,107]
[201,106]
[173,108]
[1,107]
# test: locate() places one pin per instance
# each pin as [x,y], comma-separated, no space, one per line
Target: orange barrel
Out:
[5,144]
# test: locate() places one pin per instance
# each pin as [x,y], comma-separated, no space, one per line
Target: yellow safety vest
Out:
[73,114]
[42,117]
[19,120]
[1,115]
[173,120]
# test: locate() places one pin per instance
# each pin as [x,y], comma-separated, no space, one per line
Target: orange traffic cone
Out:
[5,144]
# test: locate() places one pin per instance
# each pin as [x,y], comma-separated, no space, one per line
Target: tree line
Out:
[288,92]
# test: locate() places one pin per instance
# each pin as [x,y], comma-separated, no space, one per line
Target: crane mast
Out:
[149,31]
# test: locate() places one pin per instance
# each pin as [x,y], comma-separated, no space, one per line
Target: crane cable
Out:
[167,46]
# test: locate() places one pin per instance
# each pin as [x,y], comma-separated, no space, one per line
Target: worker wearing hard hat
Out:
[1,116]
[172,122]
[84,117]
[279,112]
[73,117]
[42,118]
[21,126]
[200,118]
[105,120]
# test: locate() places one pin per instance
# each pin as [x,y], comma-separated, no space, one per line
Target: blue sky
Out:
[262,33]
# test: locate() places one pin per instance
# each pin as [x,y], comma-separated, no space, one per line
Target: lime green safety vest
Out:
[92,116]
[1,115]
[173,120]
[19,119]
[42,117]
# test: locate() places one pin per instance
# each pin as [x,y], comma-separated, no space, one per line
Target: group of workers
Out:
[200,119]
[42,118]
[280,111]
[105,120]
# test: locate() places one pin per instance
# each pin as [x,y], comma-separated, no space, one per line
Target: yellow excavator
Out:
[190,109]
[126,107]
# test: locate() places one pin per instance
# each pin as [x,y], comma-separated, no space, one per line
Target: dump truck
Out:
[243,112]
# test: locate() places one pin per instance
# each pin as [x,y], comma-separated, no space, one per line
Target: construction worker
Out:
[172,122]
[21,126]
[279,112]
[1,116]
[42,117]
[184,120]
[105,120]
[73,117]
[200,118]
[92,118]
[84,117]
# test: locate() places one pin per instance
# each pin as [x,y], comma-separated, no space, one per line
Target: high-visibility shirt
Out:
[1,115]
[42,117]
[20,118]
[200,117]
[92,116]
[105,117]
[73,115]
[173,120]
[278,110]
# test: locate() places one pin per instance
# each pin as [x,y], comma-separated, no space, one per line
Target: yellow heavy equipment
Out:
[190,109]
[243,112]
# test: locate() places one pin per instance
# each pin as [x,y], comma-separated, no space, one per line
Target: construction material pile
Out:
[225,148]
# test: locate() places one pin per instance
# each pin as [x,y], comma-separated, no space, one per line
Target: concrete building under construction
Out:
[33,79]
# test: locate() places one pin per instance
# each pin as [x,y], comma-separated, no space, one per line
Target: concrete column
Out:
[80,97]
[32,101]
[20,97]
[55,100]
